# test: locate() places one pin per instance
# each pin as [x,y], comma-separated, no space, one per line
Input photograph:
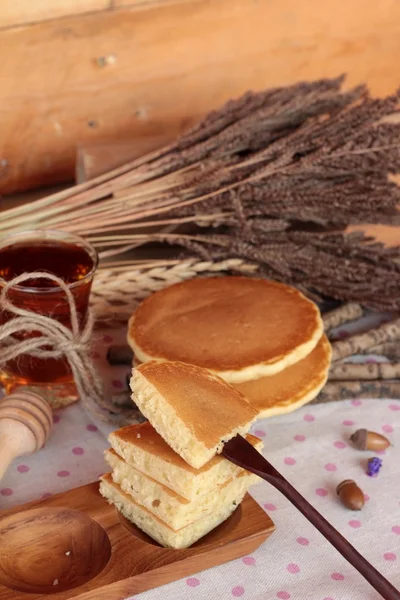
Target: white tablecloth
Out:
[311,448]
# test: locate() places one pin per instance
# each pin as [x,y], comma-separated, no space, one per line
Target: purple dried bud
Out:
[374,464]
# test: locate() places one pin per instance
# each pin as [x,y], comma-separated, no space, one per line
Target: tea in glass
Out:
[73,260]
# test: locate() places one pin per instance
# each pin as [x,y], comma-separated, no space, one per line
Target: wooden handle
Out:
[25,425]
[241,453]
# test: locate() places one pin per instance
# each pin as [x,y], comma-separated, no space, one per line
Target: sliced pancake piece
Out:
[173,509]
[154,526]
[143,448]
[240,328]
[192,409]
[293,387]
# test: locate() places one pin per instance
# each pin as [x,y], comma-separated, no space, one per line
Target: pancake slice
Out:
[292,388]
[237,327]
[173,509]
[193,410]
[156,527]
[145,450]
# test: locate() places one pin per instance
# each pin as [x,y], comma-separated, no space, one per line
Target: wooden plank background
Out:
[137,71]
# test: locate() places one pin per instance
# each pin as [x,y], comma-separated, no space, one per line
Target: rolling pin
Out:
[25,424]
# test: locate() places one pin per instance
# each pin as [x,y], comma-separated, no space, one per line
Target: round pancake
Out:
[291,388]
[237,327]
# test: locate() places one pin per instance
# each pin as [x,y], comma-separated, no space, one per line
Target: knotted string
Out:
[56,341]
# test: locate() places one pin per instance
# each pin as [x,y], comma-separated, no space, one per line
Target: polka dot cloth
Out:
[311,449]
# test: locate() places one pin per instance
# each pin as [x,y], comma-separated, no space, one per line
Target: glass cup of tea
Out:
[74,261]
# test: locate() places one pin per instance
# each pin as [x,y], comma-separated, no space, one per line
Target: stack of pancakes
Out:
[263,337]
[167,476]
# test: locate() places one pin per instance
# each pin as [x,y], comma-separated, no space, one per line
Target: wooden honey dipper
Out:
[25,424]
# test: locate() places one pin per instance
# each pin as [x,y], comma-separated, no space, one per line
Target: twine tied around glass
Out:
[56,341]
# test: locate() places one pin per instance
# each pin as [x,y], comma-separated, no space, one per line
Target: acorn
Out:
[350,494]
[369,440]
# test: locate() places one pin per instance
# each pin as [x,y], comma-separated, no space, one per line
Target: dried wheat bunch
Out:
[272,177]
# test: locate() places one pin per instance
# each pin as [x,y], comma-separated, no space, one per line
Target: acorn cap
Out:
[359,439]
[343,483]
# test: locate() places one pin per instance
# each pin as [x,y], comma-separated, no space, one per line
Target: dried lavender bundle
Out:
[273,176]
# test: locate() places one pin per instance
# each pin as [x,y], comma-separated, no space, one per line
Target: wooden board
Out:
[19,12]
[74,545]
[153,70]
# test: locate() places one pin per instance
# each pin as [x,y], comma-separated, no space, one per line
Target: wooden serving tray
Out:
[75,545]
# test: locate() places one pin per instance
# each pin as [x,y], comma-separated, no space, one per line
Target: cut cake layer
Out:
[154,526]
[143,448]
[170,507]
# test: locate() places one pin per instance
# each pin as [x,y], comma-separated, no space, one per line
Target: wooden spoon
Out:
[241,453]
[25,424]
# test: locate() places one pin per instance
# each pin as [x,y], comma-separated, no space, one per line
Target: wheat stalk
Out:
[248,181]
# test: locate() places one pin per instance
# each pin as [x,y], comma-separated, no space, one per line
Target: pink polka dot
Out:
[321,492]
[355,524]
[56,418]
[380,451]
[6,492]
[396,529]
[343,334]
[299,437]
[107,338]
[249,560]
[91,427]
[330,467]
[389,556]
[23,468]
[78,450]
[302,541]
[259,433]
[371,361]
[283,595]
[366,498]
[348,422]
[394,407]
[356,402]
[293,568]
[95,355]
[192,582]
[117,384]
[237,591]
[269,506]
[289,460]
[340,445]
[387,428]
[337,576]
[63,473]
[309,418]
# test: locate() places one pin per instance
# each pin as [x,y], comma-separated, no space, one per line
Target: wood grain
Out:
[25,424]
[21,12]
[136,563]
[141,71]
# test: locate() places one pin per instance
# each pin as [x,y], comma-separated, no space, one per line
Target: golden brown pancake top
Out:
[224,323]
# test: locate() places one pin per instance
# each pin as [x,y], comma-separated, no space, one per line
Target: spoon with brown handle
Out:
[241,453]
[25,424]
